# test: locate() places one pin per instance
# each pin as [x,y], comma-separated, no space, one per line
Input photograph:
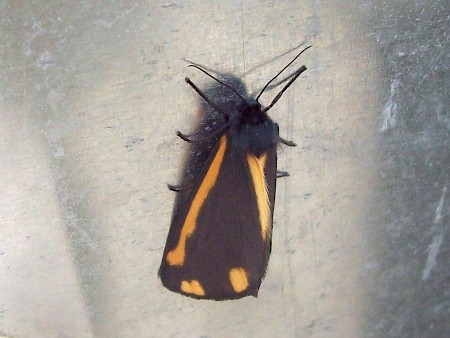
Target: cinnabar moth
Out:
[219,241]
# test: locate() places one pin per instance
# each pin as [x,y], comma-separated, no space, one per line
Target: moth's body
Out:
[224,231]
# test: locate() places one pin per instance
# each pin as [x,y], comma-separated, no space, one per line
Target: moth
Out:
[220,239]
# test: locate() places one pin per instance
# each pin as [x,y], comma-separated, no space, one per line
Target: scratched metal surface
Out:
[91,95]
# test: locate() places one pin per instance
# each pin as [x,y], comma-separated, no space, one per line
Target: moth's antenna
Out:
[212,104]
[281,71]
[222,83]
[278,96]
[199,65]
[268,61]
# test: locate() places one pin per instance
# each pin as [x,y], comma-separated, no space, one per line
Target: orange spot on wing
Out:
[256,166]
[178,254]
[238,279]
[194,287]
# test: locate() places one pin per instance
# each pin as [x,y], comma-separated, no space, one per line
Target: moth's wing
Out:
[217,247]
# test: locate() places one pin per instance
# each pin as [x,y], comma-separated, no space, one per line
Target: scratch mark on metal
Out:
[438,214]
[313,240]
[433,250]
[242,35]
[433,63]
[438,239]
[108,24]
[390,109]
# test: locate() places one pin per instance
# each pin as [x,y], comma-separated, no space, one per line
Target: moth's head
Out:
[251,112]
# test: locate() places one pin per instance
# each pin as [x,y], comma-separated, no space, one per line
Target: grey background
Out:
[91,94]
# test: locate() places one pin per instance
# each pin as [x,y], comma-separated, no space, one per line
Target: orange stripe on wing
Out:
[177,255]
[256,166]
